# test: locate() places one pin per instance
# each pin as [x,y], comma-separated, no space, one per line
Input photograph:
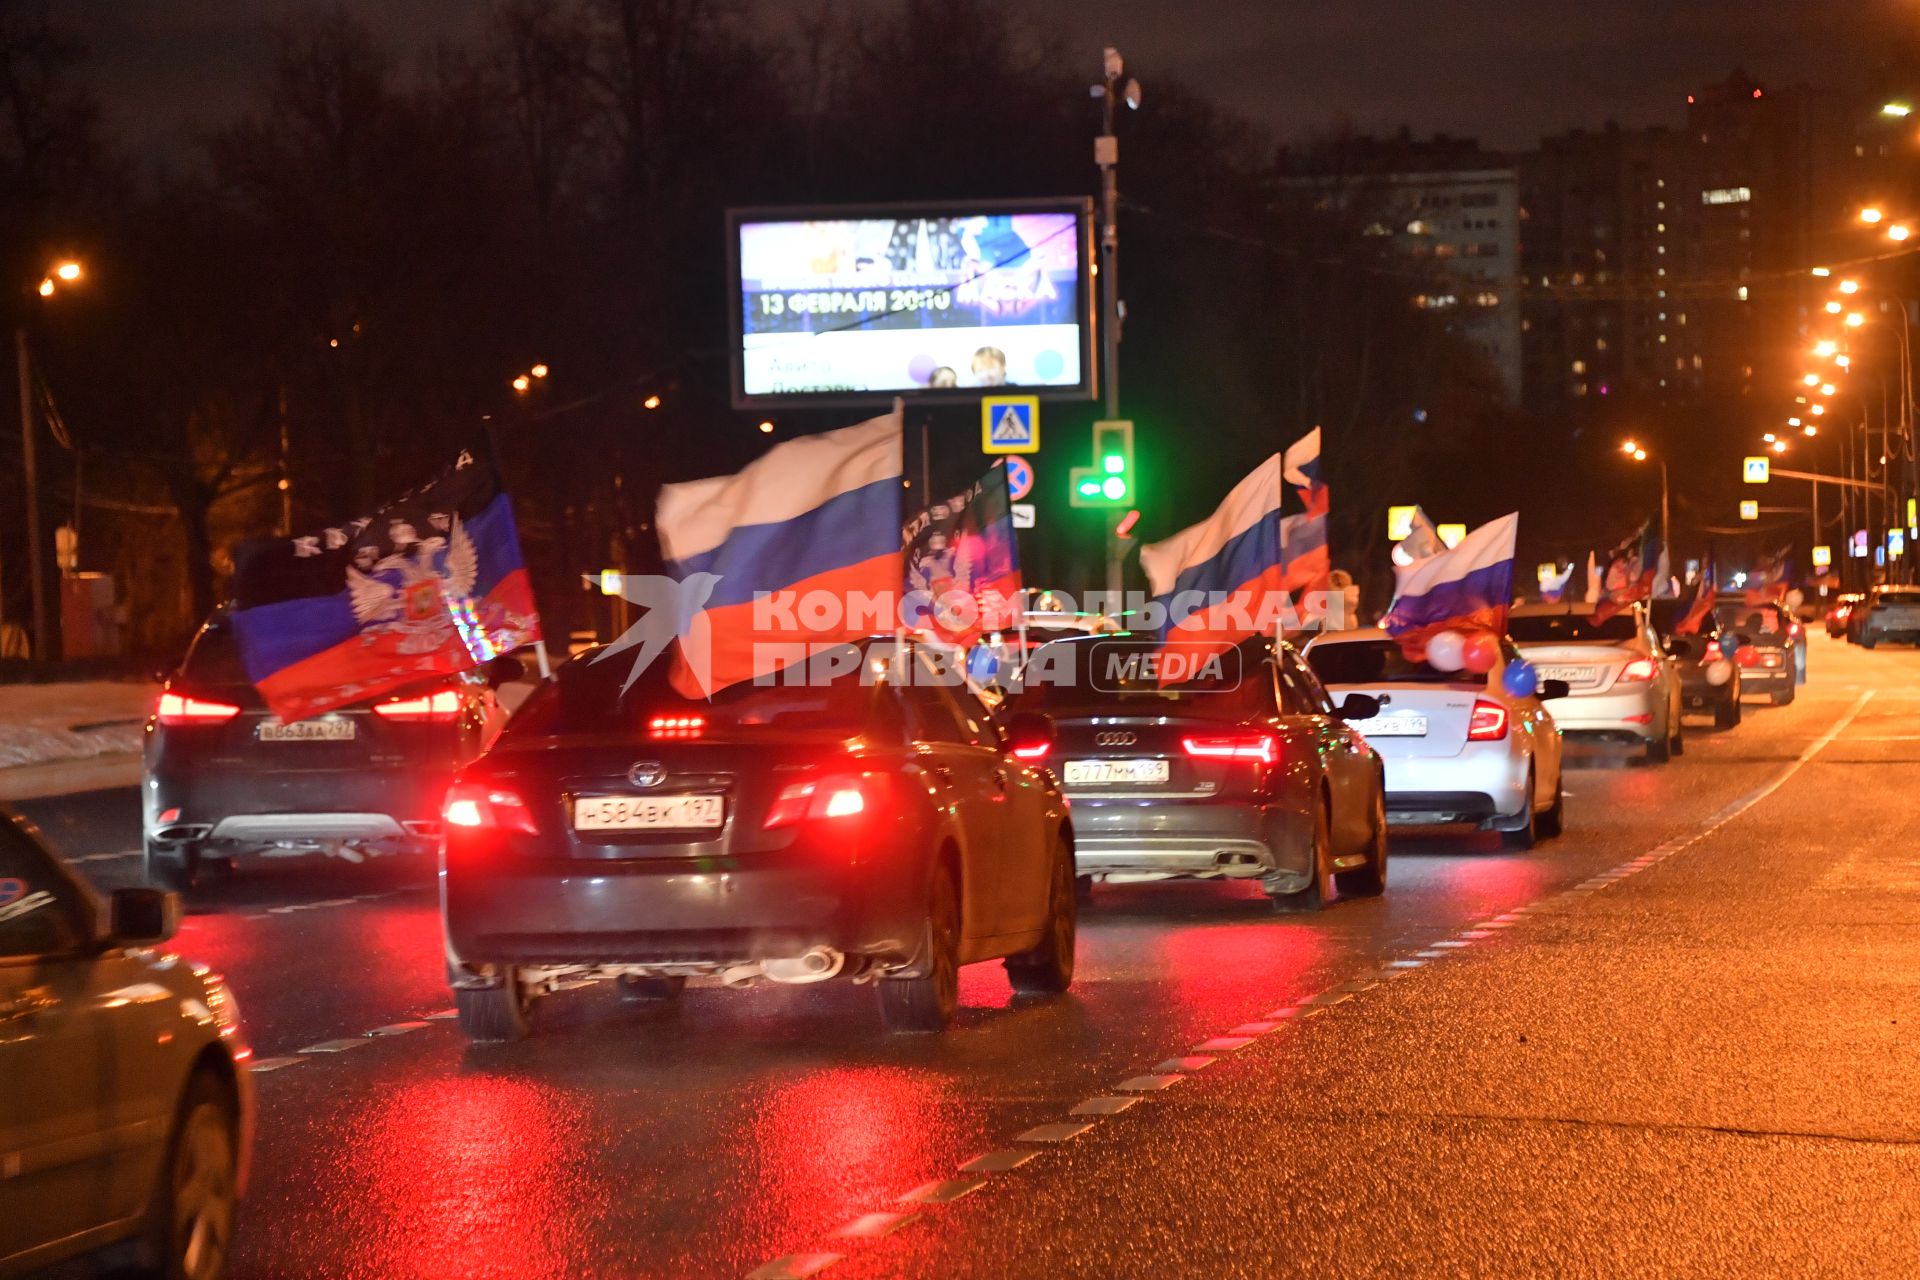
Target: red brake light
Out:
[183,709]
[475,805]
[1794,630]
[1639,671]
[676,726]
[1489,723]
[833,798]
[1263,747]
[1032,751]
[428,708]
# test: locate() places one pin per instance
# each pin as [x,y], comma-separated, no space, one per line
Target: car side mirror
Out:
[1551,689]
[505,669]
[1358,706]
[142,917]
[1029,735]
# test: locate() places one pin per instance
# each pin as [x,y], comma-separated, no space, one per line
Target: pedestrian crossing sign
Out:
[1010,424]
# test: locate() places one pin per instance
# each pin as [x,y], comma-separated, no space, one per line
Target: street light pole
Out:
[36,573]
[1106,155]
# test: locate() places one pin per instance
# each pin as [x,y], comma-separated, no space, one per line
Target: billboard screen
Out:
[939,303]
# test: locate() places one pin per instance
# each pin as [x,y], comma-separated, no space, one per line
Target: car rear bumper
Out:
[1142,839]
[674,914]
[1485,779]
[1635,713]
[371,806]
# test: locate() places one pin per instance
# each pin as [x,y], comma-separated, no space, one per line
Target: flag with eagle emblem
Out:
[963,565]
[429,585]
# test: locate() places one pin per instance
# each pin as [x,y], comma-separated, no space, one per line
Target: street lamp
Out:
[1870,215]
[1898,231]
[1639,454]
[65,271]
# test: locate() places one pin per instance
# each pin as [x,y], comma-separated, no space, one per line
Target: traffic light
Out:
[1109,482]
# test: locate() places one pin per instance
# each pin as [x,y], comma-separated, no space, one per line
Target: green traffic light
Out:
[1115,464]
[1114,488]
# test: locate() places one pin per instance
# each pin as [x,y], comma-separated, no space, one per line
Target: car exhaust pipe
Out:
[816,964]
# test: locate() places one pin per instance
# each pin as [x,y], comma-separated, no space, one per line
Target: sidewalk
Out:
[79,736]
[1703,1063]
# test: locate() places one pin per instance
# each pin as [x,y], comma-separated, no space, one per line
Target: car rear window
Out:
[589,695]
[1373,662]
[1123,677]
[214,657]
[1898,597]
[1545,628]
[1754,621]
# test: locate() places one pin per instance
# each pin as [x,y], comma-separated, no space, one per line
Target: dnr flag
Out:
[429,585]
[963,565]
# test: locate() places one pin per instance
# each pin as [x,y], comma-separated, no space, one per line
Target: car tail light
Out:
[478,806]
[1489,723]
[1032,751]
[676,726]
[835,798]
[176,708]
[1794,629]
[1263,747]
[1639,671]
[428,708]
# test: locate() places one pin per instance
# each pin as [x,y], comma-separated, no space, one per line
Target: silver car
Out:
[1622,686]
[1457,746]
[126,1113]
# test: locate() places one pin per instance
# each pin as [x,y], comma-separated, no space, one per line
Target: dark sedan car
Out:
[1772,652]
[1710,678]
[864,819]
[224,777]
[126,1112]
[1237,770]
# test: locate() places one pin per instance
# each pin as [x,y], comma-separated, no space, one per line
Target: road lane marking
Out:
[273,1064]
[795,1266]
[1058,1132]
[1002,1161]
[1094,1107]
[943,1191]
[875,1226]
[336,1046]
[103,857]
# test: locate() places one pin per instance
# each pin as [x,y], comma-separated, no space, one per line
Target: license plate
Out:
[647,813]
[1108,772]
[1392,727]
[307,731]
[1571,675]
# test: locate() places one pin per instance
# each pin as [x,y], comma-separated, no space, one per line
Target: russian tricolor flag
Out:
[1247,554]
[806,546]
[1467,588]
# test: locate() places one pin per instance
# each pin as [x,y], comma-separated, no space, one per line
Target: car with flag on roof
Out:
[1622,686]
[325,709]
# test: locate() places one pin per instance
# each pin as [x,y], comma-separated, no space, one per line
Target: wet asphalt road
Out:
[1700,1066]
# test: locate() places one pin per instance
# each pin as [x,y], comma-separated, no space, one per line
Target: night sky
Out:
[1503,71]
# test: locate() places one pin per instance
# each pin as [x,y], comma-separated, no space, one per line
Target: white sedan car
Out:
[1458,747]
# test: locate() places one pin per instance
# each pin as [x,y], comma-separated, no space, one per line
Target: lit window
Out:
[1579,366]
[1599,344]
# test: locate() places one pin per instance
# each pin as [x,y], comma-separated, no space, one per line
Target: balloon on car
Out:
[1520,679]
[1446,651]
[1481,652]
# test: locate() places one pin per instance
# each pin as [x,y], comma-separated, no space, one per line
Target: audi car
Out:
[1621,685]
[1233,766]
[126,1112]
[862,818]
[226,778]
[1457,746]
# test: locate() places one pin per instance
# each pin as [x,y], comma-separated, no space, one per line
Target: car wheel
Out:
[1047,969]
[1083,888]
[1783,697]
[1528,835]
[1320,885]
[1677,744]
[1659,751]
[1370,881]
[171,866]
[1554,821]
[649,990]
[495,1015]
[1727,714]
[190,1227]
[926,1002]
[1867,642]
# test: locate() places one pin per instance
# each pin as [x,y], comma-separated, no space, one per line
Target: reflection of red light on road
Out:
[468,1176]
[1219,973]
[843,1141]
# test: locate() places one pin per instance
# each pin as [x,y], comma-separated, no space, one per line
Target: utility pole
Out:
[36,573]
[1106,155]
